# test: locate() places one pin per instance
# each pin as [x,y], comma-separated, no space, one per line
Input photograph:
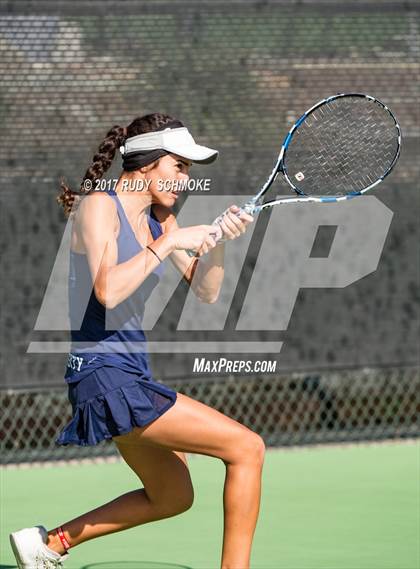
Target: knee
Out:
[184,502]
[249,449]
[257,448]
[177,503]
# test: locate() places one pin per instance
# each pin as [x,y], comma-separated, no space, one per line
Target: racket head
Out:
[341,147]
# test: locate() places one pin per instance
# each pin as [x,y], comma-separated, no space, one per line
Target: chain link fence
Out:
[238,74]
[287,409]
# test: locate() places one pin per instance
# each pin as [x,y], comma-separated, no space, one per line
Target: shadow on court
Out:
[131,565]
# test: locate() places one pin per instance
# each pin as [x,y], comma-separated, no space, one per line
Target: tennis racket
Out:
[338,149]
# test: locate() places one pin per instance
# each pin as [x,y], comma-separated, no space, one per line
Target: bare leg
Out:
[169,492]
[188,426]
[241,500]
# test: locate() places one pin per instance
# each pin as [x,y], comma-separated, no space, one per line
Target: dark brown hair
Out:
[106,152]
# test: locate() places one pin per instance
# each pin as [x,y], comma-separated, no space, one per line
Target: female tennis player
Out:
[120,247]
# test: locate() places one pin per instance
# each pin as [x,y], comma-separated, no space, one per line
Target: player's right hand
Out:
[199,238]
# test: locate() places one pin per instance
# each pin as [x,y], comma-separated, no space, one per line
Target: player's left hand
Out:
[233,225]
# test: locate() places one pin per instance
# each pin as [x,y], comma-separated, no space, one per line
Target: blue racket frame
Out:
[255,205]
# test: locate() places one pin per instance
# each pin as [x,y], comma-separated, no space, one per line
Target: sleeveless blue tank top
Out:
[102,336]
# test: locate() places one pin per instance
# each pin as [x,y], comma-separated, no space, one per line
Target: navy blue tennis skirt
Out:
[111,402]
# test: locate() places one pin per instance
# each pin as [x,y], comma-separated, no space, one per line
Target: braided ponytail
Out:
[106,152]
[101,162]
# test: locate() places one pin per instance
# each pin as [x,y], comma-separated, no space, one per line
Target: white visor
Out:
[176,140]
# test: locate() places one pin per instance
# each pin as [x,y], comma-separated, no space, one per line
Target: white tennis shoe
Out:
[31,552]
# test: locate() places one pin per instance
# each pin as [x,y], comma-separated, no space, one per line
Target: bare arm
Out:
[204,274]
[113,282]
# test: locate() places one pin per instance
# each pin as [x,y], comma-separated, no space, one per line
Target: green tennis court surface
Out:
[354,507]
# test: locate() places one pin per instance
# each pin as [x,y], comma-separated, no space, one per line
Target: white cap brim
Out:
[176,140]
[194,152]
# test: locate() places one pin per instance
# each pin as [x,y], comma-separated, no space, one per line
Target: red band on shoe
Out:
[63,539]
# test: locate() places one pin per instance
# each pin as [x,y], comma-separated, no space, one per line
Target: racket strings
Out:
[343,146]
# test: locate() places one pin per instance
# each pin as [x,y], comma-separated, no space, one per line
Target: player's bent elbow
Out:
[106,300]
[209,299]
[204,295]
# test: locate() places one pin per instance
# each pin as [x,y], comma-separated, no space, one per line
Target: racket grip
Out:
[192,253]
